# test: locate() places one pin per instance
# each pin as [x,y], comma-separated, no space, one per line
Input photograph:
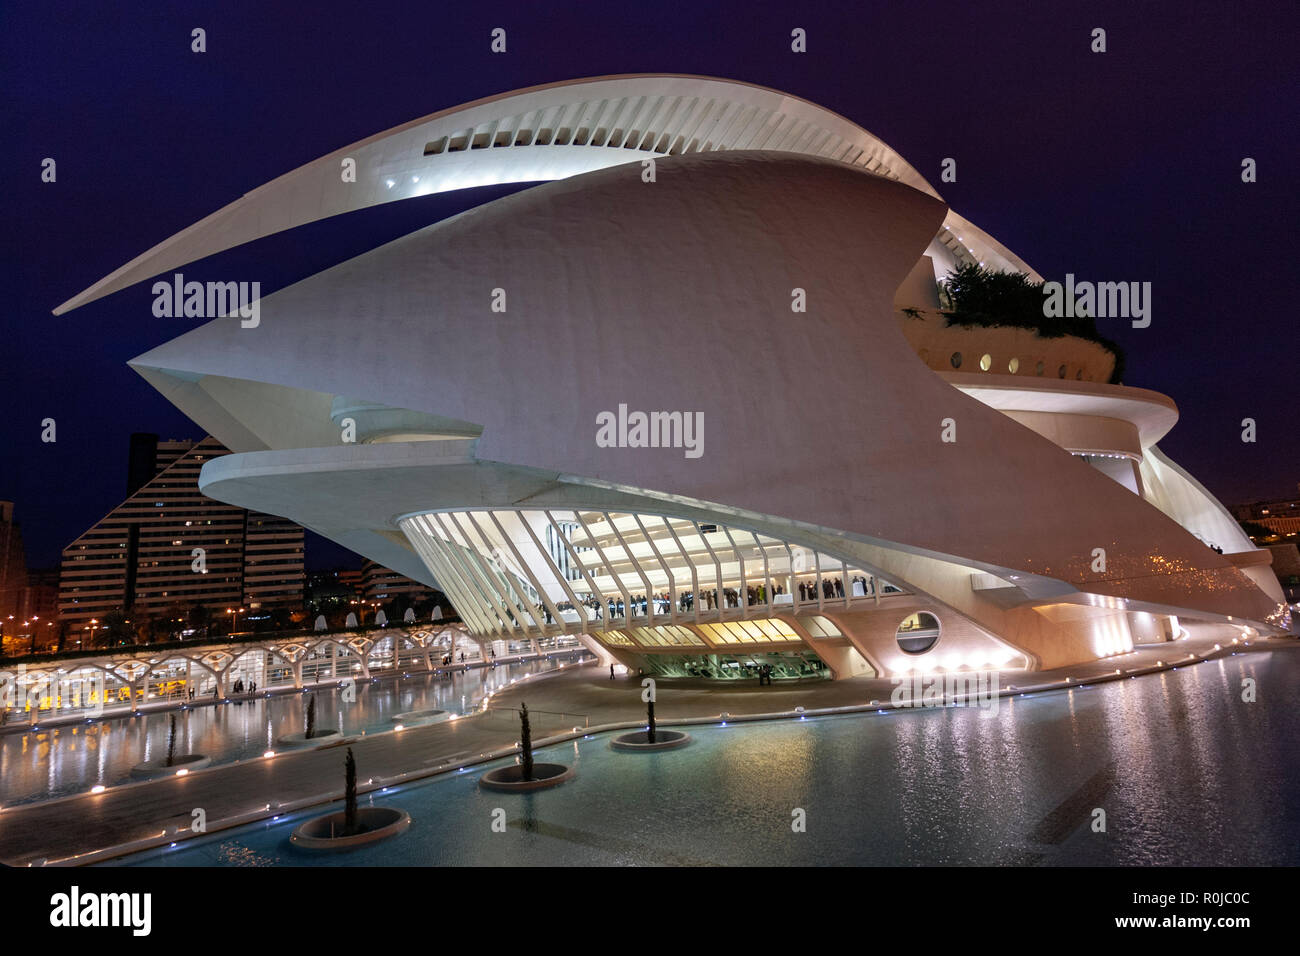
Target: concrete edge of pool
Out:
[273,811]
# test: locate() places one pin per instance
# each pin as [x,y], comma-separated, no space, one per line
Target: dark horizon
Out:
[1123,166]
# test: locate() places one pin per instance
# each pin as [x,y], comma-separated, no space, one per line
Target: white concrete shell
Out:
[823,430]
[545,133]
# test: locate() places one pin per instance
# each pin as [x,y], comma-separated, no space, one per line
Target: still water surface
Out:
[72,759]
[1186,772]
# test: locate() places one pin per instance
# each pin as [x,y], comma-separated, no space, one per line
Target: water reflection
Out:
[1186,771]
[72,759]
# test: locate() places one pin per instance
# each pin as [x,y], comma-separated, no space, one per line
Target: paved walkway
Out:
[82,828]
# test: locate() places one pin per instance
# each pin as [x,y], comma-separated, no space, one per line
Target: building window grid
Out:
[569,533]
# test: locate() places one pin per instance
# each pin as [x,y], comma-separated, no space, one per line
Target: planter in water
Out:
[511,779]
[154,769]
[173,763]
[354,826]
[640,740]
[527,774]
[322,735]
[329,832]
[652,738]
[412,717]
[311,735]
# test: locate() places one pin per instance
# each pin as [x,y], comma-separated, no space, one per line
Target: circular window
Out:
[1078,376]
[1013,366]
[1060,372]
[1038,369]
[955,360]
[918,632]
[986,362]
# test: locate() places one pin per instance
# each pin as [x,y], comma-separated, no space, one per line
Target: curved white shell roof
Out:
[677,296]
[545,133]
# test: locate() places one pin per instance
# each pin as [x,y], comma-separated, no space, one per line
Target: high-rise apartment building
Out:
[1279,515]
[379,583]
[13,563]
[168,544]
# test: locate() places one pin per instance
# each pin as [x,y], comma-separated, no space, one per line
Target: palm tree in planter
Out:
[652,738]
[525,775]
[525,742]
[356,826]
[171,762]
[350,795]
[171,743]
[311,717]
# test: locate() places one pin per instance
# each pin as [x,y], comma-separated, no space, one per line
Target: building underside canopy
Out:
[636,577]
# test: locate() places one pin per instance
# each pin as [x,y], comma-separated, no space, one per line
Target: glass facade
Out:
[532,572]
[785,665]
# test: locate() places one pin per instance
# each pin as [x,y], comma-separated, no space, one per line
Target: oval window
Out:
[1013,366]
[986,361]
[1038,369]
[918,632]
[1060,372]
[955,360]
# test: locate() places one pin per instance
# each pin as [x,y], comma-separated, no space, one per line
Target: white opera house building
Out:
[702,419]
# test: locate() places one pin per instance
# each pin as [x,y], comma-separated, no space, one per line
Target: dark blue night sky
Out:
[1121,166]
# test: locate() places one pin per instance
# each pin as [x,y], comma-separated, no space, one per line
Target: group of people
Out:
[239,688]
[831,588]
[730,597]
[834,588]
[712,599]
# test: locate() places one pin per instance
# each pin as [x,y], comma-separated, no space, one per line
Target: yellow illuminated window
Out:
[819,626]
[764,631]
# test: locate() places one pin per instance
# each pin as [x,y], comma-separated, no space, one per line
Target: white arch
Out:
[543,133]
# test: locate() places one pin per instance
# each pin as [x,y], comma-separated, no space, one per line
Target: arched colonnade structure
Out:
[132,677]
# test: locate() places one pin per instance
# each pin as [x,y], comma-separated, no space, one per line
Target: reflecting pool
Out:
[72,759]
[1186,772]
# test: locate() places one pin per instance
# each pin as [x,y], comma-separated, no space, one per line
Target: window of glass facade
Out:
[765,631]
[918,632]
